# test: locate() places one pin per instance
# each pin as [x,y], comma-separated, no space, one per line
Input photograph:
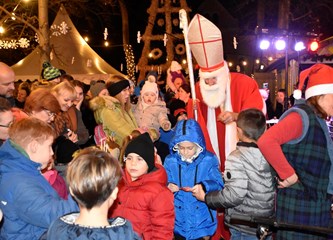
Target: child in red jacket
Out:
[143,197]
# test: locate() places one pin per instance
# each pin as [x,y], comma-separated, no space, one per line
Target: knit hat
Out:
[316,80]
[49,72]
[96,88]
[116,87]
[152,73]
[175,66]
[144,147]
[149,87]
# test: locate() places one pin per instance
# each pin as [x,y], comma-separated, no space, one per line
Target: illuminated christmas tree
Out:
[163,39]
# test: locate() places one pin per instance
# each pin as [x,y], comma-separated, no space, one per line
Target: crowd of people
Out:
[112,160]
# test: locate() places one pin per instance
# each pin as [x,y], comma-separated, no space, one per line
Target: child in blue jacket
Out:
[188,165]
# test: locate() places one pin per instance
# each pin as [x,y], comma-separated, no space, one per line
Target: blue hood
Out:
[188,130]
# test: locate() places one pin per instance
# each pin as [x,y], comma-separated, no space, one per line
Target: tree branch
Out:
[22,20]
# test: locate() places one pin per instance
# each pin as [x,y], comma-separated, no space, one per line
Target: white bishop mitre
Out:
[205,41]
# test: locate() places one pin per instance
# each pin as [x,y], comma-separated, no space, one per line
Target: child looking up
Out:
[93,176]
[143,197]
[188,166]
[249,187]
[150,112]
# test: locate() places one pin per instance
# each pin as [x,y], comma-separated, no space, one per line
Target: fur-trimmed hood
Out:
[104,101]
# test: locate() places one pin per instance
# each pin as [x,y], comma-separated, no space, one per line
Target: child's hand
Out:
[166,126]
[198,192]
[173,187]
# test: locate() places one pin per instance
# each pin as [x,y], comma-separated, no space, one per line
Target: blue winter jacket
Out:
[27,200]
[193,218]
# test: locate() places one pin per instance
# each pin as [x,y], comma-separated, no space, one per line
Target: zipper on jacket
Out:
[180,175]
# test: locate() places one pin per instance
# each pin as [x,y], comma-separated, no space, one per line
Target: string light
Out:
[129,56]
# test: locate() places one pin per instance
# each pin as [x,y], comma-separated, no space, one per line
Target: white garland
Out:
[14,44]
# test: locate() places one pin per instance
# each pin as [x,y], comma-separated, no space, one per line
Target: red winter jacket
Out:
[148,204]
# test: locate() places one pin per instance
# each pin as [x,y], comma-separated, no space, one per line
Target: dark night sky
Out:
[244,11]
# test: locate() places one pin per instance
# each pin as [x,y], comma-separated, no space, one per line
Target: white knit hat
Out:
[149,87]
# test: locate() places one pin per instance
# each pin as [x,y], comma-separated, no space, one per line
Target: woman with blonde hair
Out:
[65,94]
[65,123]
[114,111]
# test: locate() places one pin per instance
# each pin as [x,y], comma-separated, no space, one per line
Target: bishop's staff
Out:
[184,25]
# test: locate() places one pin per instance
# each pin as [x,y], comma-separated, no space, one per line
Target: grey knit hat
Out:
[96,88]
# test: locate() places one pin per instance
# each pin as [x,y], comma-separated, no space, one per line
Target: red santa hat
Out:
[316,80]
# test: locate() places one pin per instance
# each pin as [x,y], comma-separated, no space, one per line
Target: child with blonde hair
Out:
[93,176]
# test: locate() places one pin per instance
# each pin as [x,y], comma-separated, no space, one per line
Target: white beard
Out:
[214,96]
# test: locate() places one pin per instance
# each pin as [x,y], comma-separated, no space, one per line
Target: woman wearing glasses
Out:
[40,104]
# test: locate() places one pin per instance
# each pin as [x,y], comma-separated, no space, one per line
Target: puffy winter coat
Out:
[108,112]
[193,218]
[249,188]
[153,116]
[28,201]
[148,204]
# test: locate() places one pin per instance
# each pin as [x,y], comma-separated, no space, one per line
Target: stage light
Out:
[314,45]
[280,44]
[264,44]
[299,46]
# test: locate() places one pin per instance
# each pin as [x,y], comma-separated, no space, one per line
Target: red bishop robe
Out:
[244,93]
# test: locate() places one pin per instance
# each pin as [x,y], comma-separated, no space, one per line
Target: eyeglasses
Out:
[49,113]
[8,125]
